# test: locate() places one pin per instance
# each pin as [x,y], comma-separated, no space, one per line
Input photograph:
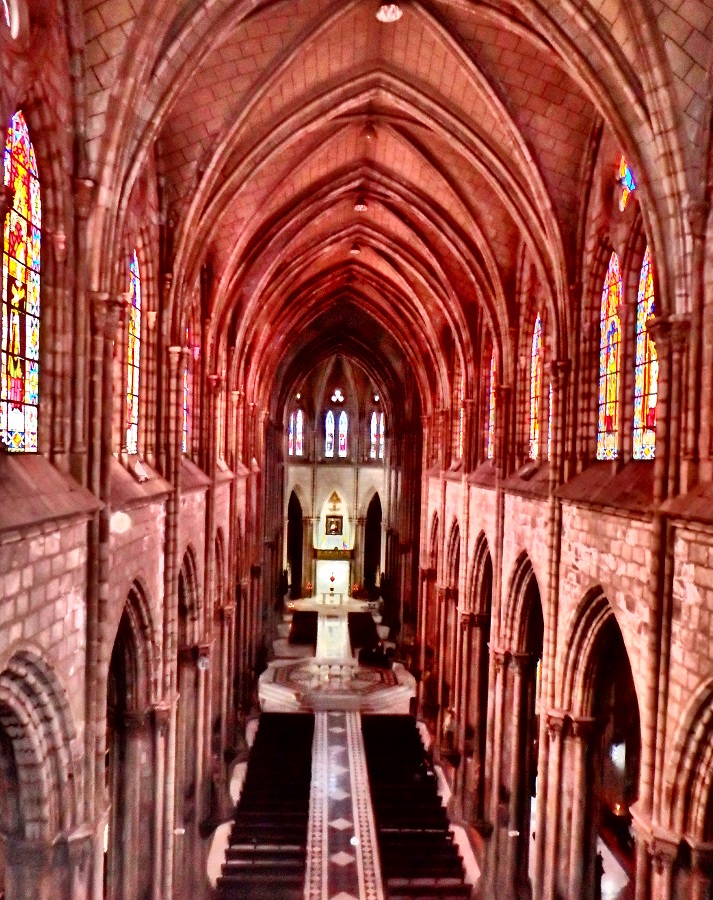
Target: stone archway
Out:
[295,541]
[129,836]
[372,543]
[599,743]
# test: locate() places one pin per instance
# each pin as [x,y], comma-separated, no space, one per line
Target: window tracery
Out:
[647,367]
[535,388]
[490,437]
[329,435]
[19,356]
[609,348]
[133,365]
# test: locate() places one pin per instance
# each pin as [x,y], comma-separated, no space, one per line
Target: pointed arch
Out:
[329,435]
[343,433]
[481,578]
[453,557]
[434,543]
[189,603]
[688,782]
[36,716]
[523,602]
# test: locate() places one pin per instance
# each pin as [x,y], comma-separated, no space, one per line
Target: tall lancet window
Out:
[329,435]
[299,432]
[133,363]
[535,388]
[343,426]
[458,411]
[186,393]
[646,378]
[373,435]
[609,347]
[20,348]
[291,435]
[490,437]
[381,435]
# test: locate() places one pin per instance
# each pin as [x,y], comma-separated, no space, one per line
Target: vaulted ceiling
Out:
[466,127]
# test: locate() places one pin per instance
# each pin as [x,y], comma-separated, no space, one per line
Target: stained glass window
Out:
[549,423]
[458,412]
[646,377]
[291,435]
[299,432]
[20,349]
[381,435]
[343,425]
[490,442]
[535,388]
[133,363]
[6,10]
[609,345]
[184,439]
[373,435]
[626,180]
[329,434]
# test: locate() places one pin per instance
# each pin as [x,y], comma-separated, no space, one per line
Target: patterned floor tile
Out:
[338,794]
[341,824]
[342,895]
[337,729]
[342,858]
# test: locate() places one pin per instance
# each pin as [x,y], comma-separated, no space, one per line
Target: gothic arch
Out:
[593,613]
[35,715]
[453,557]
[189,599]
[688,782]
[137,636]
[434,543]
[220,565]
[519,602]
[479,593]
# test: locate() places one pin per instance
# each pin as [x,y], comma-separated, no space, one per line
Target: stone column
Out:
[442,598]
[500,661]
[555,730]
[702,872]
[582,732]
[474,773]
[463,679]
[518,666]
[664,857]
[160,717]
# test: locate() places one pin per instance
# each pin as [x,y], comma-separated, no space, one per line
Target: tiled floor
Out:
[342,854]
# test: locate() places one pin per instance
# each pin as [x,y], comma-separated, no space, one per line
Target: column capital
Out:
[161,716]
[500,657]
[555,723]
[584,728]
[216,381]
[664,852]
[521,662]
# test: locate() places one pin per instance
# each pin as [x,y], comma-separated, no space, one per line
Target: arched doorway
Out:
[513,791]
[372,543]
[601,759]
[11,825]
[129,747]
[294,545]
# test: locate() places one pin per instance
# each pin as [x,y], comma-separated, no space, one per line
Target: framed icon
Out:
[335,524]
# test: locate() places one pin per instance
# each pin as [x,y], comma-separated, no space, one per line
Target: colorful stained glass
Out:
[646,378]
[6,10]
[299,432]
[549,423]
[184,438]
[458,421]
[535,388]
[291,435]
[20,348]
[382,428]
[373,435]
[329,434]
[628,185]
[343,426]
[609,347]
[133,360]
[490,437]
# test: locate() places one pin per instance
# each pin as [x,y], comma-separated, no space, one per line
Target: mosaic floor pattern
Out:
[342,853]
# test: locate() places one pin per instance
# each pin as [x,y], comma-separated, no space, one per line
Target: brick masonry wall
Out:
[43,584]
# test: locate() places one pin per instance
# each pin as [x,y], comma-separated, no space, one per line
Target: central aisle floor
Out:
[342,852]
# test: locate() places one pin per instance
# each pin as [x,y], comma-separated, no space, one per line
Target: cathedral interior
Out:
[322,321]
